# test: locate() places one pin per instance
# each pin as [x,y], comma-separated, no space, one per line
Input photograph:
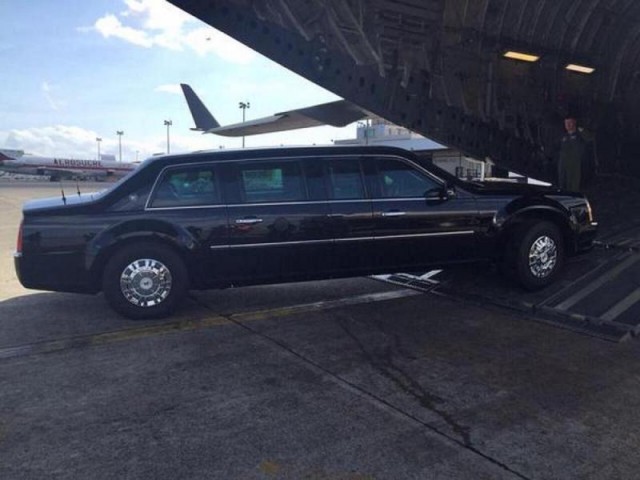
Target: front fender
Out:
[508,220]
[525,208]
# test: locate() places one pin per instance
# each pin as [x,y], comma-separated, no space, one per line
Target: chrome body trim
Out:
[343,240]
[426,235]
[186,207]
[394,214]
[248,221]
[283,244]
[353,239]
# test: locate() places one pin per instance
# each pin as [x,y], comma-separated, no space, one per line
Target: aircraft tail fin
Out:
[201,115]
[7,154]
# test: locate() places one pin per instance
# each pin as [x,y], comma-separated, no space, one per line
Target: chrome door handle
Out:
[248,221]
[393,214]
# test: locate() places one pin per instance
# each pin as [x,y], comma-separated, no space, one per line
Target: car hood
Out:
[513,188]
[60,202]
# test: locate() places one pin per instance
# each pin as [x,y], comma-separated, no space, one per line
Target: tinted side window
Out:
[345,179]
[314,173]
[187,187]
[397,179]
[270,182]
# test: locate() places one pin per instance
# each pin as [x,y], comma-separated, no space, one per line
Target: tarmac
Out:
[344,379]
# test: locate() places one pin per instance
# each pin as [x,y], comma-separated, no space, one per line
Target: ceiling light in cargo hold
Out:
[524,57]
[579,68]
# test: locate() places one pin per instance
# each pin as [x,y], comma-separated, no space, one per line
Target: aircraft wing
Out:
[337,114]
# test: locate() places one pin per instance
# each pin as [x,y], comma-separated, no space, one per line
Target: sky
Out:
[77,70]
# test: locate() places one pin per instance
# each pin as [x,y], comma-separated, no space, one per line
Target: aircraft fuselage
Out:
[64,167]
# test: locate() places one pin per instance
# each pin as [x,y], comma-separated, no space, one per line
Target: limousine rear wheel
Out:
[145,280]
[536,254]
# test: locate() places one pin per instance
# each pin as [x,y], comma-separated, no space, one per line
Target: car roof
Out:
[268,152]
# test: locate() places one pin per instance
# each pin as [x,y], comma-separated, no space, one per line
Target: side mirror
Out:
[441,193]
[434,193]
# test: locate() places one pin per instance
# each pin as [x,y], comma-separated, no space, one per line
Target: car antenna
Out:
[77,187]
[64,199]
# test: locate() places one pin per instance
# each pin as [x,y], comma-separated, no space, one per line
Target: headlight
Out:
[582,214]
[589,211]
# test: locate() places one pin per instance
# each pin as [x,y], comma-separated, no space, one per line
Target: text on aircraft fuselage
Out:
[68,162]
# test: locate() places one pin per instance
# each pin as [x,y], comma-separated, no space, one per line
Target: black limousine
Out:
[230,218]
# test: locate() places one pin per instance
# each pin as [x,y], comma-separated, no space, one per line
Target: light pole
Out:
[243,106]
[120,133]
[98,140]
[168,123]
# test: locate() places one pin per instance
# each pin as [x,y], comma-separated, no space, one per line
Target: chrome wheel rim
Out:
[543,257]
[146,282]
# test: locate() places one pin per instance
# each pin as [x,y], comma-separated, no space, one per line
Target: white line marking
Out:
[592,287]
[622,306]
[430,274]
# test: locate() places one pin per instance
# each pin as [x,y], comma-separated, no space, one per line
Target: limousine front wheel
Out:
[145,281]
[536,254]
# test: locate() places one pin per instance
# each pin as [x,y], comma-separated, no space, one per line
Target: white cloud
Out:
[169,88]
[110,26]
[159,15]
[58,140]
[157,23]
[77,142]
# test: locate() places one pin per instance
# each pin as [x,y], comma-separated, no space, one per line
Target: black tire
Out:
[535,254]
[145,280]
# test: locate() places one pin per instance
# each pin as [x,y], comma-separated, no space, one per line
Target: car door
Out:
[417,221]
[351,215]
[277,221]
[188,198]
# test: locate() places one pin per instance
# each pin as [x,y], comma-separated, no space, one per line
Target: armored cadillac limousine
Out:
[231,218]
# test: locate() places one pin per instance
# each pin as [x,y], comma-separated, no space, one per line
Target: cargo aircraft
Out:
[56,168]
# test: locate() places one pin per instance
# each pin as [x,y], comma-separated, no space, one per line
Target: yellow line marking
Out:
[215,320]
[324,305]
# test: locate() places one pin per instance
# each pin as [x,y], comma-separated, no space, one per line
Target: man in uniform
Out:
[573,161]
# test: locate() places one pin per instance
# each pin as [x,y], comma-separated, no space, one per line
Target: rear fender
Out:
[100,248]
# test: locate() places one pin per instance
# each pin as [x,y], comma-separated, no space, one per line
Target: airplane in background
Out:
[56,168]
[337,114]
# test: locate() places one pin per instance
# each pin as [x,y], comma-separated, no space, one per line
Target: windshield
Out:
[428,164]
[446,176]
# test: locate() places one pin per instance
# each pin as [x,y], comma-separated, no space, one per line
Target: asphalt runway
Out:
[347,379]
